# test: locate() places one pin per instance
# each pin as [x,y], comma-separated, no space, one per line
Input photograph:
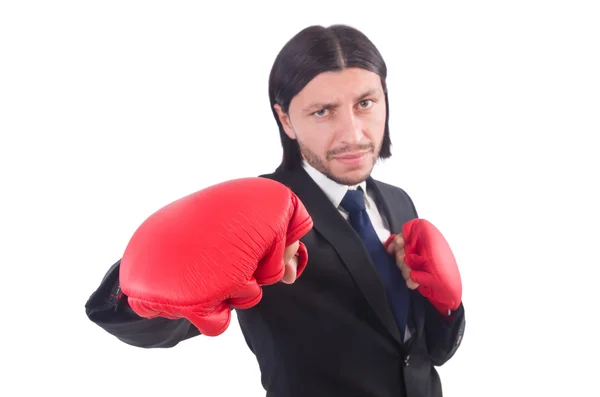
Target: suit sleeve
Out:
[444,334]
[107,307]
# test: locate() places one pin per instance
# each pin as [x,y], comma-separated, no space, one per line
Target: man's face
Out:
[338,120]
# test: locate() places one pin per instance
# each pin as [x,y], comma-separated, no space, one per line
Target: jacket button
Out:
[407,360]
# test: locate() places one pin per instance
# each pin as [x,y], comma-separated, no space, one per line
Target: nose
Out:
[349,128]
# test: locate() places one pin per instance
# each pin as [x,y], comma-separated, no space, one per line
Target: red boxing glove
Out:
[432,265]
[213,249]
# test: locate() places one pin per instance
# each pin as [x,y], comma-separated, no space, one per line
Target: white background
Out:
[109,110]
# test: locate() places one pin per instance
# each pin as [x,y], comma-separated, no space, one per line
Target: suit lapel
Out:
[335,229]
[396,219]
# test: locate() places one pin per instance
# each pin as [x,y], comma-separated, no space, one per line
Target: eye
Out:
[321,113]
[365,104]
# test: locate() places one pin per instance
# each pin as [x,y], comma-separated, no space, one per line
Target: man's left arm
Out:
[444,332]
[428,266]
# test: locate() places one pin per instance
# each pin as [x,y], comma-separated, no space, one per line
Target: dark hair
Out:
[314,50]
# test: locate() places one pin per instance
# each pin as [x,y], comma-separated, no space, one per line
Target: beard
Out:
[322,166]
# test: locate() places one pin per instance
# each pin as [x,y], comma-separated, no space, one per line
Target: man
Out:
[349,326]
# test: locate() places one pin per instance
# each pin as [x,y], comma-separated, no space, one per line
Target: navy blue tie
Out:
[385,264]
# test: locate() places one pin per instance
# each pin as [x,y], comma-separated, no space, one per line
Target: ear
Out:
[284,119]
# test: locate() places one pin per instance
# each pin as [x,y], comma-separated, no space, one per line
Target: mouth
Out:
[355,159]
[351,156]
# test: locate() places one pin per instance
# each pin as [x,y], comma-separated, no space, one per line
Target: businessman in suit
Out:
[349,326]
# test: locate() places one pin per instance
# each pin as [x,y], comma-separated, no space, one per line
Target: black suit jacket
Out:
[331,333]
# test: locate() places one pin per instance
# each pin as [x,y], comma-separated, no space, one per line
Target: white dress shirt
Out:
[336,192]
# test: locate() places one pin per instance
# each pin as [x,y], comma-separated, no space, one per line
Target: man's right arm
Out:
[107,307]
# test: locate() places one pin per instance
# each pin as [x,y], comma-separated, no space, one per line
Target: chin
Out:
[344,174]
[350,176]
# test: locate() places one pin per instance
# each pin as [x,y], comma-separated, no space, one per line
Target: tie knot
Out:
[353,201]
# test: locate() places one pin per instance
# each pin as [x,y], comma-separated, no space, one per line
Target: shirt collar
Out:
[333,190]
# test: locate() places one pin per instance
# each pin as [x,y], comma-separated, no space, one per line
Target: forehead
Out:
[348,84]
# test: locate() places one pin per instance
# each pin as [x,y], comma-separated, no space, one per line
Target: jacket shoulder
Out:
[395,194]
[389,188]
[279,175]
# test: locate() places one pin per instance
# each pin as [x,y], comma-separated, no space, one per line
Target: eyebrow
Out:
[365,94]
